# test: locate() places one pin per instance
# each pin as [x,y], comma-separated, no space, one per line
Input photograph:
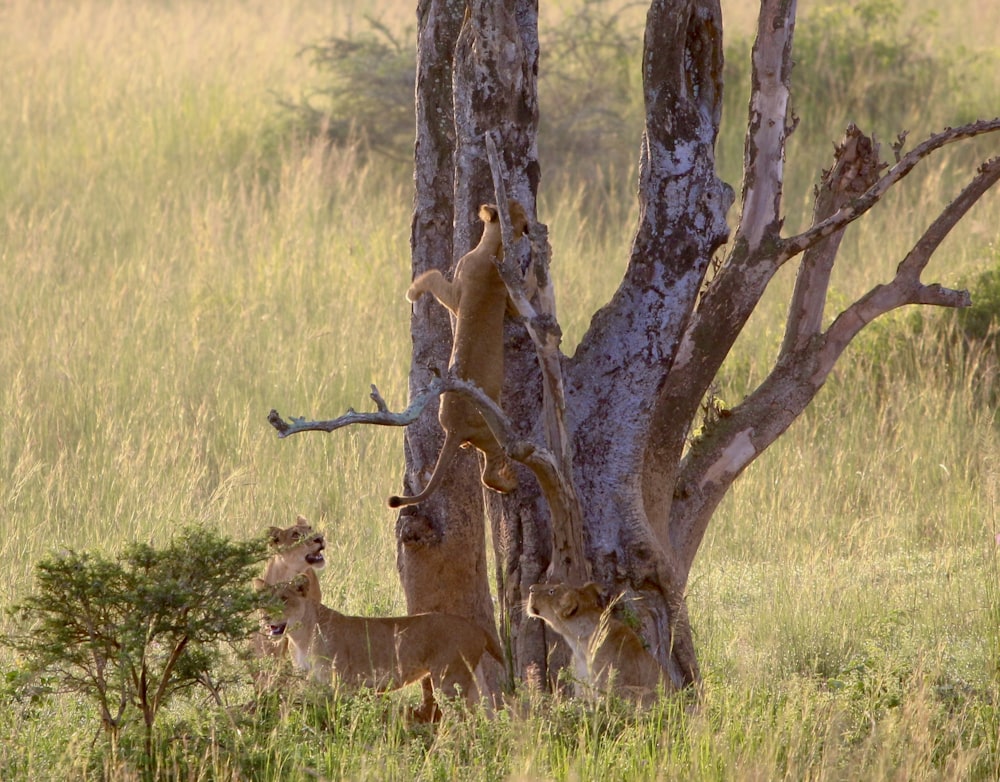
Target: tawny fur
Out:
[296,551]
[607,653]
[478,300]
[382,653]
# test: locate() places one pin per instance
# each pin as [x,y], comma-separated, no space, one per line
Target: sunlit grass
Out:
[177,263]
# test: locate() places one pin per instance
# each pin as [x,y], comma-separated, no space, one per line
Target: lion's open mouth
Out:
[276,631]
[316,557]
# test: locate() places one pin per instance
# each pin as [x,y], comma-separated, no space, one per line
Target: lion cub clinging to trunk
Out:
[380,652]
[605,650]
[478,300]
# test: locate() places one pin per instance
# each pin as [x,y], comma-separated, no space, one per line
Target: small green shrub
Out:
[131,632]
[980,323]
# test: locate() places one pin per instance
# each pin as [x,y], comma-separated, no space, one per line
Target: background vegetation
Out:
[180,255]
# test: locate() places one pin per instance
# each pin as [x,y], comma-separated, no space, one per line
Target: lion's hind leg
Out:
[458,678]
[428,710]
[498,472]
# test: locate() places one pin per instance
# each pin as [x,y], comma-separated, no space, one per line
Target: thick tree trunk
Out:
[603,437]
[477,73]
[618,438]
[441,548]
[496,68]
[623,361]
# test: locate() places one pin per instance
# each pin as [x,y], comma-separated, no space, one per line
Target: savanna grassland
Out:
[178,257]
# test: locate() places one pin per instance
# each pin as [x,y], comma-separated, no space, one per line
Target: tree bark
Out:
[441,549]
[607,464]
[624,359]
[640,373]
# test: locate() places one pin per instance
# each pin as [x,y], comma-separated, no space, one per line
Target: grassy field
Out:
[175,265]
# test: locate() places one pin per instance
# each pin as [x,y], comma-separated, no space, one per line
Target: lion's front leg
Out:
[434,282]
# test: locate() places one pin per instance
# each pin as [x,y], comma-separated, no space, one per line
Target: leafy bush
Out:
[132,631]
[590,96]
[590,109]
[860,57]
[980,323]
[368,94]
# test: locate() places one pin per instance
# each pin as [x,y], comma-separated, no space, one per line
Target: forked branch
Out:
[906,287]
[852,211]
[713,463]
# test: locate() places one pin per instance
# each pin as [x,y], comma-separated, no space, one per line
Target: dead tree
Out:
[610,488]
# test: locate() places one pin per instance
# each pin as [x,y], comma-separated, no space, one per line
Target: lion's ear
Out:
[300,584]
[274,535]
[593,592]
[569,604]
[300,519]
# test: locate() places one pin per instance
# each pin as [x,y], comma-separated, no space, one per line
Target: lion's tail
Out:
[448,451]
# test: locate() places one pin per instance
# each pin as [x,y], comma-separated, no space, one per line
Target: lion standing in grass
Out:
[296,551]
[383,653]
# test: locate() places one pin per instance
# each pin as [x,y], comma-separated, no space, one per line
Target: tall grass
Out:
[176,262]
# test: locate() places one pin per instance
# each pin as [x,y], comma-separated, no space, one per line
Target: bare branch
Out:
[906,288]
[850,212]
[568,561]
[856,167]
[713,463]
[384,417]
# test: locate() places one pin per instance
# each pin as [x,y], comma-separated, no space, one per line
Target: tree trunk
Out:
[441,549]
[624,359]
[614,421]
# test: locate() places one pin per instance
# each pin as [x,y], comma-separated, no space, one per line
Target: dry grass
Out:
[176,265]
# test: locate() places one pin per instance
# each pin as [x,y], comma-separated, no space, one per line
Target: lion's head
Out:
[298,546]
[285,604]
[489,213]
[560,603]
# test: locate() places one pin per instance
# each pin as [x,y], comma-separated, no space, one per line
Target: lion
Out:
[383,653]
[607,653]
[296,551]
[478,299]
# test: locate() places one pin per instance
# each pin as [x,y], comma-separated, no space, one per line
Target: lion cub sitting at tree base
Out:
[296,551]
[606,651]
[478,300]
[383,653]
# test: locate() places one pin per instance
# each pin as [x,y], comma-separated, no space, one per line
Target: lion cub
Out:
[605,650]
[296,551]
[383,653]
[478,300]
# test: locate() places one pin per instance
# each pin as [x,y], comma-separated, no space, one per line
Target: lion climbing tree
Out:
[610,488]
